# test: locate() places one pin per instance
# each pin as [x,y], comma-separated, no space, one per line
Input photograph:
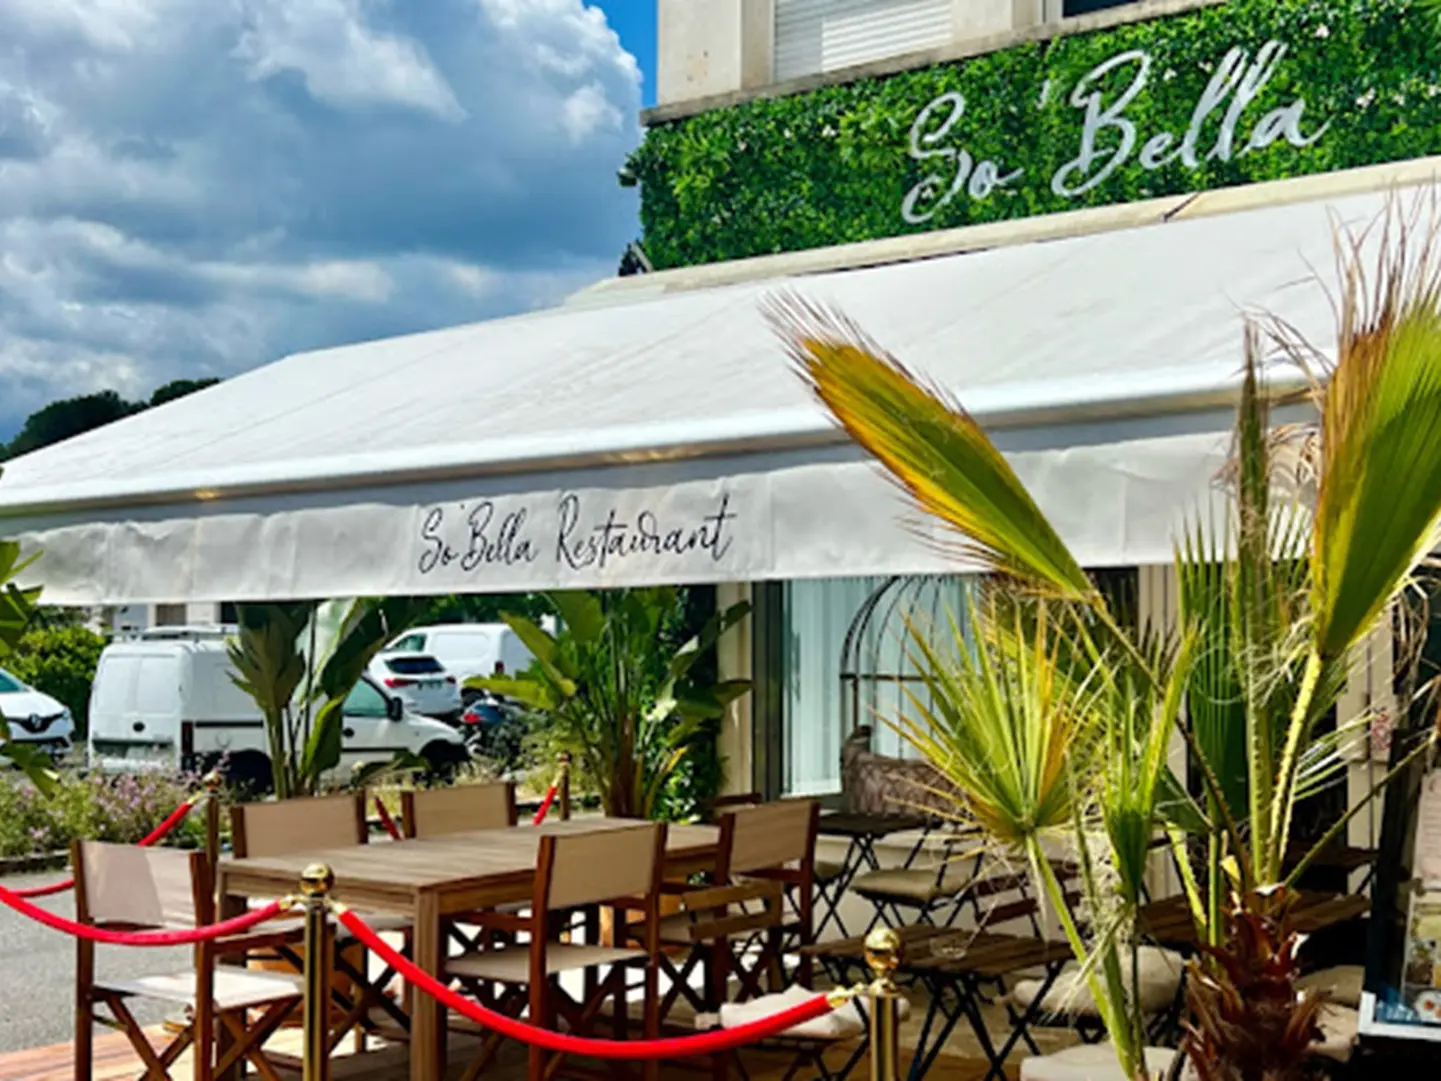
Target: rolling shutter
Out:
[812,36]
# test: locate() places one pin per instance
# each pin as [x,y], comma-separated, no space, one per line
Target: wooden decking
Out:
[115,1060]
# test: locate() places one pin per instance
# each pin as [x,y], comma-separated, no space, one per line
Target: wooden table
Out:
[431,881]
[1170,924]
[952,965]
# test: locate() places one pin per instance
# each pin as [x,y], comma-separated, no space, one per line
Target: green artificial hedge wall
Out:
[835,164]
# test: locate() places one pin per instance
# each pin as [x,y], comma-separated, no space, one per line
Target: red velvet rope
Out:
[706,1043]
[154,837]
[544,806]
[386,821]
[181,937]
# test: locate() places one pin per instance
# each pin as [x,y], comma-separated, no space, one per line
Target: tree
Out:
[75,416]
[60,660]
[179,388]
[1057,718]
[71,417]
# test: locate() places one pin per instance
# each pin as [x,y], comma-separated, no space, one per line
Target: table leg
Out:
[925,1056]
[1022,1026]
[427,1019]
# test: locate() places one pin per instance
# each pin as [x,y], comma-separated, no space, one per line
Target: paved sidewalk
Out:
[37,972]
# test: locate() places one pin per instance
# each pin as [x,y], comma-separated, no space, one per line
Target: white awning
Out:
[664,439]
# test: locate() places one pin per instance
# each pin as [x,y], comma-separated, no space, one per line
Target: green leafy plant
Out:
[60,660]
[832,165]
[631,716]
[1060,706]
[17,608]
[300,691]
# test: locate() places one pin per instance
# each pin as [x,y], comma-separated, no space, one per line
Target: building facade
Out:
[796,135]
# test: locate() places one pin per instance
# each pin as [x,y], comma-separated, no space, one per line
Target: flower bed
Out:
[93,807]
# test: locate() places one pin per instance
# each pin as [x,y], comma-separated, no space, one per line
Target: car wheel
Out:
[250,774]
[446,760]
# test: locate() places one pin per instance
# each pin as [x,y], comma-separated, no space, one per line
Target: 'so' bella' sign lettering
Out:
[571,537]
[1109,138]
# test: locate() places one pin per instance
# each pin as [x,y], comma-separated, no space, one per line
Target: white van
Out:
[468,649]
[173,705]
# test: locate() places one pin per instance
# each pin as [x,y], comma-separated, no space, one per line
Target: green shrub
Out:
[92,807]
[60,660]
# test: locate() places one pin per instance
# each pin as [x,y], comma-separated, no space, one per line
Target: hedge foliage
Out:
[832,165]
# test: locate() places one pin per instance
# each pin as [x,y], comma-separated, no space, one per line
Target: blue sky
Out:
[191,188]
[634,21]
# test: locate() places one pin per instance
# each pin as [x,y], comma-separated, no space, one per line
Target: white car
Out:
[34,717]
[467,650]
[420,681]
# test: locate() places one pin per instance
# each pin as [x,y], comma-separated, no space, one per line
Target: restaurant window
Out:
[229,612]
[1085,7]
[845,663]
[170,615]
[814,36]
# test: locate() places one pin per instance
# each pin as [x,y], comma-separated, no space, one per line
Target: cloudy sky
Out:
[194,187]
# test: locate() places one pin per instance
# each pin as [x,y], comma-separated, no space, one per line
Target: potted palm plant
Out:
[1055,720]
[630,713]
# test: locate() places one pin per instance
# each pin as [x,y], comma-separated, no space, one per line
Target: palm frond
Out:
[932,447]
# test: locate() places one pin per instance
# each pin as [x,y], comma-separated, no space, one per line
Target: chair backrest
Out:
[721,804]
[140,887]
[770,836]
[298,825]
[438,811]
[595,867]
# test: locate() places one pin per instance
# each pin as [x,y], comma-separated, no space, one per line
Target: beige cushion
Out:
[1338,1033]
[920,885]
[1093,1062]
[1160,978]
[235,988]
[828,870]
[1342,984]
[513,965]
[841,1024]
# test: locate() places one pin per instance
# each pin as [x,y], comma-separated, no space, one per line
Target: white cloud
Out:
[192,187]
[343,62]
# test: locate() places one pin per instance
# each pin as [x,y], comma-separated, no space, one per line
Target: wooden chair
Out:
[436,812]
[124,886]
[619,869]
[314,824]
[764,852]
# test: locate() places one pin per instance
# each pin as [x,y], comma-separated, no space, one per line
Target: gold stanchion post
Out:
[213,782]
[562,784]
[315,884]
[883,955]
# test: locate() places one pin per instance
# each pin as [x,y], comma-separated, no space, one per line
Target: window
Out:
[414,666]
[229,612]
[845,664]
[814,36]
[365,700]
[170,615]
[9,684]
[1085,7]
[411,643]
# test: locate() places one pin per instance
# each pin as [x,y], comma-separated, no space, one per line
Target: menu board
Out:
[1421,978]
[1409,1007]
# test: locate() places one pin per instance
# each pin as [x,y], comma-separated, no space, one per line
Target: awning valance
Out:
[664,439]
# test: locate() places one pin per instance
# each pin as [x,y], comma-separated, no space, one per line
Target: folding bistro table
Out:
[432,880]
[951,966]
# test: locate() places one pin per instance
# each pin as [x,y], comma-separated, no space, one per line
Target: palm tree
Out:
[1057,719]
